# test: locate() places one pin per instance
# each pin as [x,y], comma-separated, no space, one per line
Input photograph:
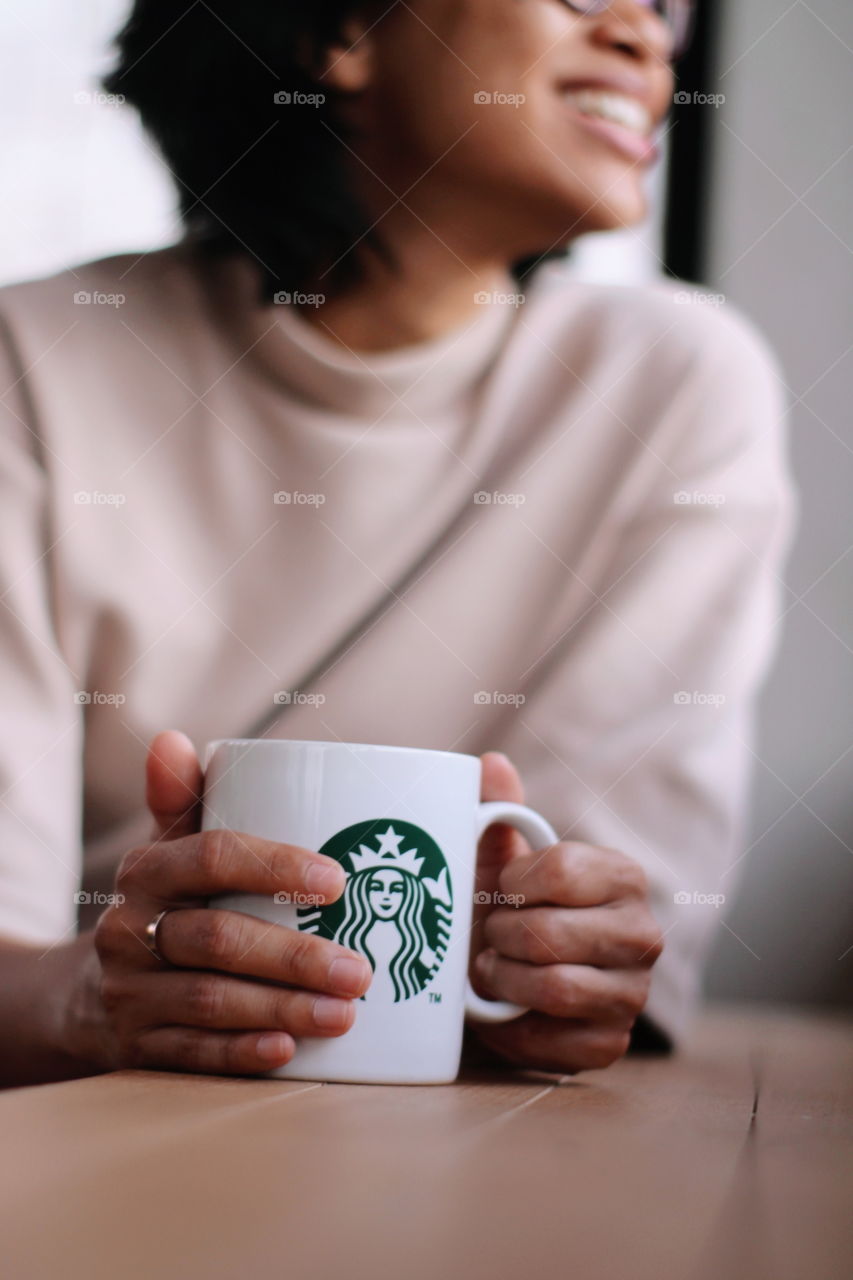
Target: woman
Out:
[337,466]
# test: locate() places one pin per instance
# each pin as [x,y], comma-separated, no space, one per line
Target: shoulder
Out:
[91,334]
[103,285]
[669,331]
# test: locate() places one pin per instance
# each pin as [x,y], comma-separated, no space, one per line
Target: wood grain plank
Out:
[789,1214]
[624,1172]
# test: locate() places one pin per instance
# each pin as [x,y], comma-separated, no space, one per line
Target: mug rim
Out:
[211,746]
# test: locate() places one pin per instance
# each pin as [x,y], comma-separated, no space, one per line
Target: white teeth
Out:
[612,106]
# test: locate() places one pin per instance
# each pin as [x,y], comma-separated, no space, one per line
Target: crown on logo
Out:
[387,855]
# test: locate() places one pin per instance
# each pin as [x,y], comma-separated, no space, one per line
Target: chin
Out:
[574,219]
[616,216]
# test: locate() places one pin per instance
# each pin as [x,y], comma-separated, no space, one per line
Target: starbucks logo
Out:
[396,908]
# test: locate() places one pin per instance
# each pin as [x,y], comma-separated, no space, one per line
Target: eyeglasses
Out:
[677,14]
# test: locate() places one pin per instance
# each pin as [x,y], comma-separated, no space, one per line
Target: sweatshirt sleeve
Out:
[640,734]
[40,720]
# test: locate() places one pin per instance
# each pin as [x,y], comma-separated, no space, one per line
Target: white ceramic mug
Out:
[405,824]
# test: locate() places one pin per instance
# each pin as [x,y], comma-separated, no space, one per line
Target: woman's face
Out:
[385,893]
[484,118]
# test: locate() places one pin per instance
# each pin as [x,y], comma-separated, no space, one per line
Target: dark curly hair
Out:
[254,174]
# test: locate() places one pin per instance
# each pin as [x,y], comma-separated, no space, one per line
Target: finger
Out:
[209,1000]
[555,1044]
[564,990]
[173,785]
[233,942]
[620,937]
[212,1052]
[499,780]
[573,874]
[217,861]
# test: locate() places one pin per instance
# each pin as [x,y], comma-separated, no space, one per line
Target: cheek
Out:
[437,63]
[472,89]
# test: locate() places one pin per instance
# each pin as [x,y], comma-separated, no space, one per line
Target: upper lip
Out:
[631,85]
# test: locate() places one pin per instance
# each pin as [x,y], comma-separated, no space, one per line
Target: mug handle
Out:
[539,834]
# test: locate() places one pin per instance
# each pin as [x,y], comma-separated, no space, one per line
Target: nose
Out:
[634,29]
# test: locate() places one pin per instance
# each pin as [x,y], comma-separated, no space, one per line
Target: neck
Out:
[427,292]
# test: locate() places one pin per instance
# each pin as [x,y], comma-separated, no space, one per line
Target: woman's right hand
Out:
[234,990]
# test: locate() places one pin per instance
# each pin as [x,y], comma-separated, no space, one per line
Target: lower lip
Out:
[632,145]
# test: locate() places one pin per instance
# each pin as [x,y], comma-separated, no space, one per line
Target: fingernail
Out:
[329,1012]
[347,974]
[323,879]
[274,1046]
[485,961]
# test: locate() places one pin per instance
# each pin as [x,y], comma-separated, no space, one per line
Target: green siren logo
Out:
[396,908]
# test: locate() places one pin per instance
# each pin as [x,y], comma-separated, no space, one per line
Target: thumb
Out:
[500,780]
[173,784]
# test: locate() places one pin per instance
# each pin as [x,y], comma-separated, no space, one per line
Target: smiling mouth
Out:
[617,108]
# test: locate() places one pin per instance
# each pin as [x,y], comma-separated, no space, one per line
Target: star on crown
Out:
[387,855]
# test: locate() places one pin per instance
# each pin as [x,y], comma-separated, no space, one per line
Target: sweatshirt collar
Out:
[412,382]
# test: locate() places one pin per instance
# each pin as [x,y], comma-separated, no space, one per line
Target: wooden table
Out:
[731,1160]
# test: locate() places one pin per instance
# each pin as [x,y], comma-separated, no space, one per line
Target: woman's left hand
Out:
[568,932]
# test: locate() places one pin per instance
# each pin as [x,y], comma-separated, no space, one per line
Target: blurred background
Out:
[754,203]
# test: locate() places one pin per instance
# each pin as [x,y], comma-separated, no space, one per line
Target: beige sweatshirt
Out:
[556,532]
